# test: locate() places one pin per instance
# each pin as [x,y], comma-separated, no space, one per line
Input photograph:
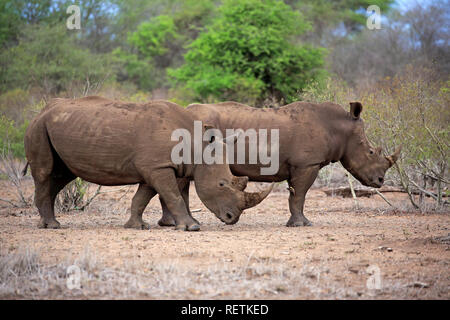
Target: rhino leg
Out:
[165,183]
[167,219]
[300,182]
[140,200]
[45,195]
[50,176]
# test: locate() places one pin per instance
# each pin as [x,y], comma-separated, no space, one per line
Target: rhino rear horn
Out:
[394,157]
[240,183]
[251,199]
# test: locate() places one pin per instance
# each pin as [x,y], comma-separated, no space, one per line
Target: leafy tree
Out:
[11,137]
[47,57]
[14,14]
[159,43]
[128,67]
[248,52]
[152,39]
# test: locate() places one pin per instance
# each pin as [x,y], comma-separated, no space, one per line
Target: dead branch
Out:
[346,192]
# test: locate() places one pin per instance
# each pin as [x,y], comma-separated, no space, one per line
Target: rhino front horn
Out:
[251,199]
[394,157]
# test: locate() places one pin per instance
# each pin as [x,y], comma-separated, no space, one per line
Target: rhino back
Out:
[309,133]
[101,140]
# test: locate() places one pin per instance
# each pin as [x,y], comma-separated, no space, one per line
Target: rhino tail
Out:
[24,171]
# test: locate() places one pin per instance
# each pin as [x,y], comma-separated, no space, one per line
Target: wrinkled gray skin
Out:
[115,143]
[311,136]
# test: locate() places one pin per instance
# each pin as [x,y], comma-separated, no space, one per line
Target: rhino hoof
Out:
[49,224]
[140,225]
[193,227]
[166,223]
[299,223]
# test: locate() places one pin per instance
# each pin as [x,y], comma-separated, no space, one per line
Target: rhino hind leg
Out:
[45,196]
[50,176]
[43,200]
[300,182]
[140,200]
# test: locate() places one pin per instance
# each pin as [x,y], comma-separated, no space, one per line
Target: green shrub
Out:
[247,53]
[48,57]
[11,137]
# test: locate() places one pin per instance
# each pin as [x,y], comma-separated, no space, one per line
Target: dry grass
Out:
[11,169]
[24,276]
[258,258]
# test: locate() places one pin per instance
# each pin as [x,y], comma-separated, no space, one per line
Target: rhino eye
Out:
[371,151]
[222,183]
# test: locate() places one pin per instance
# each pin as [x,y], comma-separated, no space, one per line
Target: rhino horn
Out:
[394,157]
[251,199]
[240,183]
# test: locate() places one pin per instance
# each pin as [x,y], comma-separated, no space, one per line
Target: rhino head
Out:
[364,162]
[223,193]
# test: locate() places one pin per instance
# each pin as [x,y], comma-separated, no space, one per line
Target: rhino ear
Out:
[207,126]
[355,109]
[211,136]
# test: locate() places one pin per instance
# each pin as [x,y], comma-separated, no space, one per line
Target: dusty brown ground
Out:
[258,258]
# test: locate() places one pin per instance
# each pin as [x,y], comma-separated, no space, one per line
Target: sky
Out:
[405,4]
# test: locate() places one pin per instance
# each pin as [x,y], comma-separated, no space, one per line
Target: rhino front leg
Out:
[140,200]
[300,182]
[167,218]
[165,183]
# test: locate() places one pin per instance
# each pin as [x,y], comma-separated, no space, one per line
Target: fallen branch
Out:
[345,192]
[384,198]
[352,190]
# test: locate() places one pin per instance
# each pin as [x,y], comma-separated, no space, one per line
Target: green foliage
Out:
[15,14]
[159,43]
[248,50]
[152,38]
[48,57]
[14,103]
[9,22]
[11,137]
[130,68]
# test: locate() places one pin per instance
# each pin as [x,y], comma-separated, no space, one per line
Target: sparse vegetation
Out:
[410,110]
[260,52]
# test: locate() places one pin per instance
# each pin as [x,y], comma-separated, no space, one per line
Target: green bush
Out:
[248,53]
[11,137]
[14,103]
[48,57]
